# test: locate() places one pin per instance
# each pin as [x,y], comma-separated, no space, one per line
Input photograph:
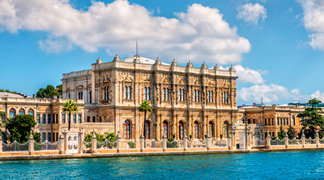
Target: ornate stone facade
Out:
[186,100]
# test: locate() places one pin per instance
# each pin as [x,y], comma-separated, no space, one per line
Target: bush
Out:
[172,143]
[131,145]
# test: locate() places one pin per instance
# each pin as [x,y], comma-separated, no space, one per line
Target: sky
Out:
[276,47]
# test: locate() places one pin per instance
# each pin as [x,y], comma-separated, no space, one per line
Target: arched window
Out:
[211,129]
[293,120]
[182,95]
[196,130]
[147,129]
[106,93]
[12,113]
[165,129]
[21,111]
[127,129]
[181,130]
[31,112]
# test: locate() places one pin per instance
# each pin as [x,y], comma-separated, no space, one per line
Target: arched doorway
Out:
[165,129]
[127,131]
[196,130]
[181,130]
[226,129]
[147,129]
[211,129]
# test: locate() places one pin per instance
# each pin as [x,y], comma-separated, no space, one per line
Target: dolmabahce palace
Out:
[186,102]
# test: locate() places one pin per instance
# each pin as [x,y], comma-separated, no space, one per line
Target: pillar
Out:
[94,143]
[303,139]
[65,144]
[61,144]
[164,143]
[229,142]
[286,140]
[31,144]
[80,135]
[0,143]
[142,143]
[317,139]
[248,139]
[185,142]
[208,144]
[118,143]
[268,140]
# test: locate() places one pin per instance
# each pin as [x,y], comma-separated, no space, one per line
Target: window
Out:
[63,118]
[127,130]
[277,121]
[43,137]
[211,97]
[44,119]
[38,118]
[265,121]
[88,118]
[12,113]
[125,92]
[49,118]
[56,136]
[49,138]
[196,95]
[179,95]
[207,96]
[167,94]
[90,97]
[225,98]
[197,99]
[30,112]
[165,129]
[163,94]
[253,121]
[80,118]
[182,94]
[249,121]
[93,119]
[21,112]
[106,93]
[273,121]
[147,93]
[56,118]
[293,120]
[80,95]
[74,118]
[147,129]
[128,92]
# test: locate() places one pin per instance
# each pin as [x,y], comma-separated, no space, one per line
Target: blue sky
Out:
[276,46]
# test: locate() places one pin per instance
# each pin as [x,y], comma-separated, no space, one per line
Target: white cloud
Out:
[55,46]
[199,34]
[252,13]
[274,93]
[247,75]
[314,21]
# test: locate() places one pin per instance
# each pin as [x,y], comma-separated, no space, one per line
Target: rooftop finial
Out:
[136,47]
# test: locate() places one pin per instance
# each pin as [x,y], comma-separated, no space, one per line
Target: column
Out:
[61,144]
[286,140]
[118,143]
[80,135]
[31,144]
[317,139]
[303,139]
[142,143]
[94,143]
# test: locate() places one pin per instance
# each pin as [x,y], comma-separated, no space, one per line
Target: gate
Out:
[242,140]
[73,145]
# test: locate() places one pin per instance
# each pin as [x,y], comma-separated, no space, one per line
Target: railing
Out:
[277,142]
[310,141]
[321,141]
[294,141]
[15,146]
[259,142]
[45,146]
[220,143]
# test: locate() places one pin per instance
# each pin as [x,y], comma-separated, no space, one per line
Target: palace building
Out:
[186,101]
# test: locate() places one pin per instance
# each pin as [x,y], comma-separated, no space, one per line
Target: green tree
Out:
[111,137]
[281,134]
[37,137]
[70,107]
[59,89]
[19,127]
[145,107]
[48,92]
[291,132]
[312,120]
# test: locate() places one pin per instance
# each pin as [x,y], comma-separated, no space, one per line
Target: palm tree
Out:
[70,107]
[145,107]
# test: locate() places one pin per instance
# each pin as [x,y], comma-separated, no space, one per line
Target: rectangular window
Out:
[49,118]
[56,118]
[56,136]
[38,118]
[88,119]
[80,118]
[43,137]
[63,118]
[74,118]
[93,119]
[49,138]
[44,119]
[148,93]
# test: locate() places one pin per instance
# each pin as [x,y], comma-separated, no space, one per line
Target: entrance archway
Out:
[181,130]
